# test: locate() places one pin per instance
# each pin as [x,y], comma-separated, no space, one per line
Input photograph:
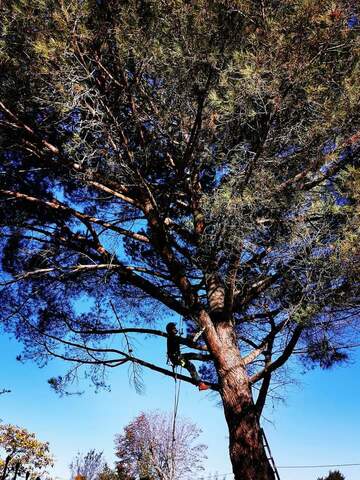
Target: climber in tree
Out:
[181,359]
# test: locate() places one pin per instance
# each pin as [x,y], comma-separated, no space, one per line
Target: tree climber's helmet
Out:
[171,328]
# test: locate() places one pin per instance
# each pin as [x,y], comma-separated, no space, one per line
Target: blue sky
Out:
[317,424]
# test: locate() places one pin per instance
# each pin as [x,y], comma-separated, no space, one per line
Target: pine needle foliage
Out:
[177,157]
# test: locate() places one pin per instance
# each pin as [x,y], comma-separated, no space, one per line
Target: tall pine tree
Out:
[193,159]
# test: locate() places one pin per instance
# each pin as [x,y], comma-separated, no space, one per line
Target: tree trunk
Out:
[6,464]
[247,452]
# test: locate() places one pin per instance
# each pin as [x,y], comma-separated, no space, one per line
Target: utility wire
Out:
[221,475]
[322,466]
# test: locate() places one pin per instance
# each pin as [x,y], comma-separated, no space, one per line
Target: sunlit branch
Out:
[265,343]
[230,284]
[114,193]
[62,270]
[260,315]
[115,189]
[19,124]
[126,274]
[279,362]
[254,290]
[56,205]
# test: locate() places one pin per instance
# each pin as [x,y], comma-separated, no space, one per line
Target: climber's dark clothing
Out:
[179,359]
[173,347]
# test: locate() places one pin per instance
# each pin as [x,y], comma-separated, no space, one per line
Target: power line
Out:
[289,466]
[322,466]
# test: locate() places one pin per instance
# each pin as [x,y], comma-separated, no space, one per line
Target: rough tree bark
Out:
[247,453]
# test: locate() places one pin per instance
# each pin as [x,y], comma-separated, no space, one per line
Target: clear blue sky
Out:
[318,424]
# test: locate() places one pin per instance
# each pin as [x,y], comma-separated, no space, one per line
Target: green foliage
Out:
[323,353]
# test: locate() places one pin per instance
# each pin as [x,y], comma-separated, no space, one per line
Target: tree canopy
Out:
[195,159]
[90,465]
[150,165]
[22,452]
[153,447]
[333,475]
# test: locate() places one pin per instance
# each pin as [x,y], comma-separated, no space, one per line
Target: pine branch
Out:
[59,206]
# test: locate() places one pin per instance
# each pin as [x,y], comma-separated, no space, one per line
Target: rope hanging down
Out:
[177,386]
[176,402]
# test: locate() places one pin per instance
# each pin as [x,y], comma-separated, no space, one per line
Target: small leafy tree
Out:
[333,475]
[21,451]
[89,465]
[151,448]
